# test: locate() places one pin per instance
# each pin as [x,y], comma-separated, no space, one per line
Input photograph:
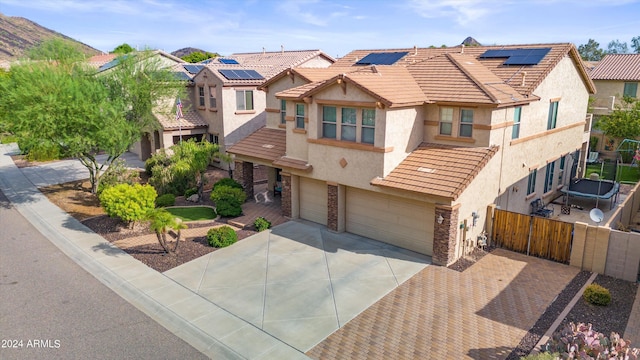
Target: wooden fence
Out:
[532,235]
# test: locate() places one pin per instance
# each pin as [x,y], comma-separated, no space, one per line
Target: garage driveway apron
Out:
[298,281]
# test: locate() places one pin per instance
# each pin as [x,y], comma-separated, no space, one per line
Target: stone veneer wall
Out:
[444,237]
[286,194]
[332,207]
[244,175]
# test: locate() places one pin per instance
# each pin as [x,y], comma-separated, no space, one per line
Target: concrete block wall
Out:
[623,255]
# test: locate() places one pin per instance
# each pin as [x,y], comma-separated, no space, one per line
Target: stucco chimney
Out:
[524,77]
[282,49]
[263,51]
[415,50]
[462,49]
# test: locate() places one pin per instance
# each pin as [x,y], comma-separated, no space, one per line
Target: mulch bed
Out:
[153,255]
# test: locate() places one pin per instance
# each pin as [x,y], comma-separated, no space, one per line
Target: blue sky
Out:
[335,27]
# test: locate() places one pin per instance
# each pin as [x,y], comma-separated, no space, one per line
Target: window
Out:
[531,185]
[329,122]
[348,124]
[244,99]
[213,139]
[212,97]
[553,115]
[446,121]
[300,116]
[630,89]
[283,111]
[368,126]
[548,181]
[561,172]
[515,132]
[201,96]
[466,122]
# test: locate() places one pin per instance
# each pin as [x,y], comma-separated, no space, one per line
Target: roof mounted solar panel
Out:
[193,69]
[527,56]
[239,74]
[387,58]
[179,75]
[228,61]
[531,56]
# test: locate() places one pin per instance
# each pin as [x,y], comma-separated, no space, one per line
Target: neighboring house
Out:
[615,76]
[410,146]
[96,61]
[224,103]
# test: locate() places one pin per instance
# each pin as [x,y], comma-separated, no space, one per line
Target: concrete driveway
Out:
[299,282]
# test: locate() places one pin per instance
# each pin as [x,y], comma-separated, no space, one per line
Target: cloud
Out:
[463,11]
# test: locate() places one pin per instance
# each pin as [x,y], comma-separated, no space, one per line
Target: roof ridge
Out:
[473,78]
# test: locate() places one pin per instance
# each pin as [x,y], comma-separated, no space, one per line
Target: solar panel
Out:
[388,58]
[239,74]
[228,61]
[112,63]
[179,75]
[517,56]
[527,57]
[193,69]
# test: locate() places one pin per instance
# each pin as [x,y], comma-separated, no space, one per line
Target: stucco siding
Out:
[400,130]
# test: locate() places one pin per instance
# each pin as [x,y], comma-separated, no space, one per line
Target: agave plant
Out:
[162,222]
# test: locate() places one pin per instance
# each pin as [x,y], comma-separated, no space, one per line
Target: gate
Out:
[532,235]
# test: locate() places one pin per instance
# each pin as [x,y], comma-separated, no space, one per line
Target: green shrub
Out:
[227,182]
[43,151]
[165,200]
[597,295]
[117,173]
[228,200]
[262,224]
[190,191]
[221,236]
[160,158]
[128,202]
[582,342]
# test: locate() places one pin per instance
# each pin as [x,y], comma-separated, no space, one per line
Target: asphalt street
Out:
[50,308]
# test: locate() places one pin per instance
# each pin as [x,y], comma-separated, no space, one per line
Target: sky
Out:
[333,26]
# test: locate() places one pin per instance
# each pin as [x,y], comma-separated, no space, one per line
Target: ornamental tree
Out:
[623,122]
[162,222]
[65,104]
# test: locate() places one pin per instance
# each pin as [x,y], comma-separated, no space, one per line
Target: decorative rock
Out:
[193,198]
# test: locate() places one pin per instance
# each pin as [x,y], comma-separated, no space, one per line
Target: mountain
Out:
[469,41]
[186,51]
[18,34]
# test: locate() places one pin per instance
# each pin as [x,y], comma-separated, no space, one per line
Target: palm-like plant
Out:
[162,222]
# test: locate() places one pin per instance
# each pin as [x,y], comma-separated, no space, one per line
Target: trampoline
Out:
[587,188]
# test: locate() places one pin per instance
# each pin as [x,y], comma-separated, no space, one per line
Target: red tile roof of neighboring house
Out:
[624,67]
[190,120]
[308,74]
[438,170]
[101,59]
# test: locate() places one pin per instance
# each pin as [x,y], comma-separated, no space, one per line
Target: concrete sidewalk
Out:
[164,300]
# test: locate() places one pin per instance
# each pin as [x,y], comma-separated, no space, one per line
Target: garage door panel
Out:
[313,200]
[398,221]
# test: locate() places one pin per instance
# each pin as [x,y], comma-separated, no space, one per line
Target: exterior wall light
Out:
[440,219]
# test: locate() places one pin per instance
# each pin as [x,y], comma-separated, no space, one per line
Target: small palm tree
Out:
[162,222]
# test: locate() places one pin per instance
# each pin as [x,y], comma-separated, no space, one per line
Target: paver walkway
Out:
[481,313]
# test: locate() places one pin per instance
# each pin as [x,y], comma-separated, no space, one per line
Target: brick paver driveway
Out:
[481,313]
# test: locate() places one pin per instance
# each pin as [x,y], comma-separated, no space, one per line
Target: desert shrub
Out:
[160,158]
[128,202]
[222,236]
[165,200]
[118,173]
[581,341]
[262,224]
[227,182]
[228,200]
[190,191]
[597,295]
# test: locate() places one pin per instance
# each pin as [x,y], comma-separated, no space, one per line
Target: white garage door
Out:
[313,200]
[399,221]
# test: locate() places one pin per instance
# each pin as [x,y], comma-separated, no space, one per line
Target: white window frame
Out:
[300,116]
[201,102]
[446,118]
[242,105]
[213,104]
[466,124]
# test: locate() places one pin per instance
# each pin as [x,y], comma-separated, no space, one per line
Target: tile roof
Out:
[190,120]
[308,74]
[98,60]
[265,143]
[617,67]
[264,70]
[438,170]
[457,75]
